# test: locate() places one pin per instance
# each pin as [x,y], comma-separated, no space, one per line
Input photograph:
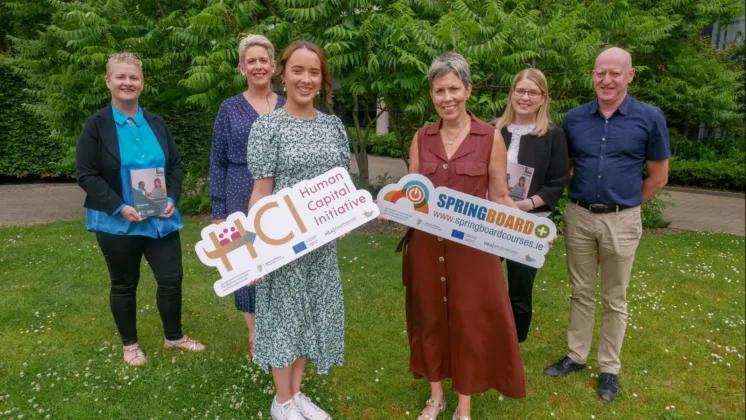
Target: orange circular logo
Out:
[415,194]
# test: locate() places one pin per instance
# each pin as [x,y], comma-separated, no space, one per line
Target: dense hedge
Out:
[26,151]
[651,212]
[25,148]
[386,145]
[712,163]
[192,130]
[729,174]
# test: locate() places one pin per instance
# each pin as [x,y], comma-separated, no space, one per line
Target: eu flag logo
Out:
[457,234]
[299,247]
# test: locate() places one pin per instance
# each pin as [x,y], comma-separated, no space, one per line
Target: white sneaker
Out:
[287,411]
[308,409]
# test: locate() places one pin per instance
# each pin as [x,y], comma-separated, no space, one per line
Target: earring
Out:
[283,87]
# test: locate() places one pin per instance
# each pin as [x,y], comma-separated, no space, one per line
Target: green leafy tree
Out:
[21,18]
[379,51]
[676,69]
[64,65]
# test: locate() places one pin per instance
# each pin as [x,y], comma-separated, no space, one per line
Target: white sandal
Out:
[455,417]
[441,407]
[184,343]
[138,353]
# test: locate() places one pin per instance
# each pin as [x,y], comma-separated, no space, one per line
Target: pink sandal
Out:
[184,343]
[136,353]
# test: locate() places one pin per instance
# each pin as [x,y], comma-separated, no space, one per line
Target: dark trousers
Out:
[123,255]
[520,287]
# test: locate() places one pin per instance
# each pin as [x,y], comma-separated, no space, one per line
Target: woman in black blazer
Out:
[115,141]
[532,140]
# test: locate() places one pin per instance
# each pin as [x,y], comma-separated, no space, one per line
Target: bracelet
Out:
[532,203]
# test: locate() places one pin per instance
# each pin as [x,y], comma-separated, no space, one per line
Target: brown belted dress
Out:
[459,318]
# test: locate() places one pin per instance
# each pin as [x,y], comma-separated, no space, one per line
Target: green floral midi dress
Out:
[299,307]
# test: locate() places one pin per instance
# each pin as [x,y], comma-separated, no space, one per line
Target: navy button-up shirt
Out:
[608,155]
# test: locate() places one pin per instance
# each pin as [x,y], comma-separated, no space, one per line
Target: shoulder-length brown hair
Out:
[326,78]
[543,119]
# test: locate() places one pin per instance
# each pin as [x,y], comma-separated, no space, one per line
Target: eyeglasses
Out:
[532,94]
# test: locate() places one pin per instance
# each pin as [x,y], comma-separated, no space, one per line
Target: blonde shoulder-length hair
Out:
[543,119]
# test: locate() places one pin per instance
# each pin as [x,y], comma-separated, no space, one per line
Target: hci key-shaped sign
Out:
[283,227]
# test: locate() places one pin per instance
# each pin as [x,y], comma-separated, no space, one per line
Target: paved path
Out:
[699,211]
[694,210]
[380,166]
[36,203]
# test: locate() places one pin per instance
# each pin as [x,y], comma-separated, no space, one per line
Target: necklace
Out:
[266,98]
[269,107]
[453,139]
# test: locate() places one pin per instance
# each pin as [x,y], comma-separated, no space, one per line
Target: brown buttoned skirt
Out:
[459,318]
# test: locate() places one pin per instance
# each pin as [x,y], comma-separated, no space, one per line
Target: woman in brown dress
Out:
[459,319]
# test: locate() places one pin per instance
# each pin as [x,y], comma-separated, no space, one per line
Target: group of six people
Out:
[463,323]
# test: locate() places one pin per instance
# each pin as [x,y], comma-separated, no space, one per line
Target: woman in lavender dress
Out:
[230,181]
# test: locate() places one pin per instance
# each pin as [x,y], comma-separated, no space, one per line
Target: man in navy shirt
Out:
[610,141]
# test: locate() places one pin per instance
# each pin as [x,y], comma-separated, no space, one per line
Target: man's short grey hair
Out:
[450,62]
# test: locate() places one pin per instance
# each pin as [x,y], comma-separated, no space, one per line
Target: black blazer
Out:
[98,162]
[549,157]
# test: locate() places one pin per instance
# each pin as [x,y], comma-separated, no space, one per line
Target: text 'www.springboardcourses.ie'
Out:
[480,227]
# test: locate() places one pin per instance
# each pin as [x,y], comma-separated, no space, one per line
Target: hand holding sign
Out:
[468,220]
[283,227]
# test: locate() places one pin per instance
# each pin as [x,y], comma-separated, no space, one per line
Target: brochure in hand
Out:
[149,191]
[519,180]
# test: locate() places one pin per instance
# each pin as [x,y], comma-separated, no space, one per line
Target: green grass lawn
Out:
[60,355]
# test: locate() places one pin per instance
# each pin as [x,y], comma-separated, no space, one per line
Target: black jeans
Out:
[123,255]
[520,287]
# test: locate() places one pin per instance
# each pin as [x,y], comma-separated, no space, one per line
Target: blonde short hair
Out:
[543,118]
[122,57]
[255,41]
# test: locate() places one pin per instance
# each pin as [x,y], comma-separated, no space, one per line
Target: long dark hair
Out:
[326,78]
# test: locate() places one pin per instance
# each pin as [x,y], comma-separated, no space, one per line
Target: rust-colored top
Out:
[459,319]
[466,170]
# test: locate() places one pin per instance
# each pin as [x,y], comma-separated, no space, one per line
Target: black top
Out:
[548,156]
[98,161]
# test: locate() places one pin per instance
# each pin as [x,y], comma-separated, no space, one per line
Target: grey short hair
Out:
[255,41]
[450,62]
